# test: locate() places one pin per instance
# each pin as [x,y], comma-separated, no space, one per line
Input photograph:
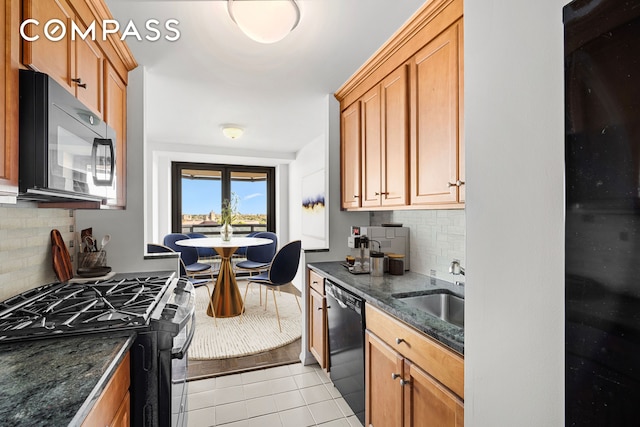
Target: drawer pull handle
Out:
[400,341]
[404,382]
[395,376]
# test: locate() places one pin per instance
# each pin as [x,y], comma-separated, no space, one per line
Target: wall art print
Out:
[315,219]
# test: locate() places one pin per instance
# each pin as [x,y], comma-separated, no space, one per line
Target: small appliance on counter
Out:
[388,239]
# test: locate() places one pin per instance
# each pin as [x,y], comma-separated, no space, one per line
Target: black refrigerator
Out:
[602,234]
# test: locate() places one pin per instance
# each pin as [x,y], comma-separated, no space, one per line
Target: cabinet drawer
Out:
[316,282]
[111,399]
[442,363]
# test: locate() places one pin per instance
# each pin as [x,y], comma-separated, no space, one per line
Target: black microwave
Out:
[67,153]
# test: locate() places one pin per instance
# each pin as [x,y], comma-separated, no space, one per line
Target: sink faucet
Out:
[456,268]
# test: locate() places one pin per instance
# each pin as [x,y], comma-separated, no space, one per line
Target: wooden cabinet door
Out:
[434,147]
[115,114]
[88,74]
[318,327]
[371,147]
[55,58]
[427,402]
[395,141]
[350,156]
[123,415]
[9,52]
[383,393]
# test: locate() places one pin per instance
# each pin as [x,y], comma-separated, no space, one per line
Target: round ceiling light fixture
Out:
[232,131]
[265,21]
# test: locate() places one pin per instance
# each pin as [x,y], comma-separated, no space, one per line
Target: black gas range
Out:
[160,309]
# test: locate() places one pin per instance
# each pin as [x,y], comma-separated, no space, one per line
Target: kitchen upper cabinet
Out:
[435,166]
[384,142]
[317,319]
[395,133]
[371,147]
[75,64]
[115,114]
[350,156]
[9,65]
[410,379]
[411,121]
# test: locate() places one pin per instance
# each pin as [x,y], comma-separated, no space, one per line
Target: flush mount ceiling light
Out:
[265,21]
[232,131]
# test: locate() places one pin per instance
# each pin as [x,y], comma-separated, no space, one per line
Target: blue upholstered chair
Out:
[154,248]
[188,255]
[259,257]
[281,272]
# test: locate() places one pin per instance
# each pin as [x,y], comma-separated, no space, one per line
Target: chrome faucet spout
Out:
[456,268]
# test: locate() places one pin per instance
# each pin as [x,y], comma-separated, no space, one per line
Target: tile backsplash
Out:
[437,238]
[25,245]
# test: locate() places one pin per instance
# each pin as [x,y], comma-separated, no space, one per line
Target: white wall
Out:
[514,127]
[125,252]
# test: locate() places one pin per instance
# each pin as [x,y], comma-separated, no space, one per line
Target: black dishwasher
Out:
[345,318]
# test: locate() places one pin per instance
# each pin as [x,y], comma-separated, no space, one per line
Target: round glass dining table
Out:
[226,299]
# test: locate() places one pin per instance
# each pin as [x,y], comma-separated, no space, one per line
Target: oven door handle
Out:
[179,354]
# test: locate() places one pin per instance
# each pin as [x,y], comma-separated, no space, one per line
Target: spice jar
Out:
[396,264]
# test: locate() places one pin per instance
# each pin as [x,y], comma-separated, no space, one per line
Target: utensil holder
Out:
[92,259]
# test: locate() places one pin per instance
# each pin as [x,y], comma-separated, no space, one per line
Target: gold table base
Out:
[226,299]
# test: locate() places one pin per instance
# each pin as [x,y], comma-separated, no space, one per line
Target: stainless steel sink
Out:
[447,307]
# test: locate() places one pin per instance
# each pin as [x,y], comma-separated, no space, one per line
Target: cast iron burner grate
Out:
[73,308]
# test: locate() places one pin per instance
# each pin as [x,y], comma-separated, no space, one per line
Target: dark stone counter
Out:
[56,382]
[378,291]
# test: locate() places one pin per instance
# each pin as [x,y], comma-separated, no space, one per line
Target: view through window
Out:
[199,190]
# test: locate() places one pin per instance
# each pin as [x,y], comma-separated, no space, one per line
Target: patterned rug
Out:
[253,332]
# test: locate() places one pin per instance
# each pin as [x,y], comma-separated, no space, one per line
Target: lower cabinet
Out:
[317,319]
[113,407]
[411,380]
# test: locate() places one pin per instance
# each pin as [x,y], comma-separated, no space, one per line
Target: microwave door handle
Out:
[94,157]
[113,161]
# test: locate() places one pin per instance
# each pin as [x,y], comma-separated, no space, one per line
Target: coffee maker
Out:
[390,238]
[359,245]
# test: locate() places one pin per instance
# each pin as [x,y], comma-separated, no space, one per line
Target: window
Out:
[198,190]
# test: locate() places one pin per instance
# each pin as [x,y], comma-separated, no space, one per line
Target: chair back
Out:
[263,253]
[154,248]
[202,252]
[242,251]
[285,263]
[188,254]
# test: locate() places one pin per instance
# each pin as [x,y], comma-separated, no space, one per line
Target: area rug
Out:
[254,332]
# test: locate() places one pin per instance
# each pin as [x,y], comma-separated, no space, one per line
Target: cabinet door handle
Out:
[395,376]
[79,83]
[404,382]
[458,183]
[356,197]
[400,341]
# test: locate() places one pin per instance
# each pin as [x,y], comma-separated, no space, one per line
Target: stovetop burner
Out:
[73,308]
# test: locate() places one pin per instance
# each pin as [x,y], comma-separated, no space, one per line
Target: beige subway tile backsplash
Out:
[25,245]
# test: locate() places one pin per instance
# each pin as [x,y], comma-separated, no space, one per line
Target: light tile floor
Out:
[285,396]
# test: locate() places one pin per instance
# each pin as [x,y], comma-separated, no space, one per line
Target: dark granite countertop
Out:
[56,382]
[378,291]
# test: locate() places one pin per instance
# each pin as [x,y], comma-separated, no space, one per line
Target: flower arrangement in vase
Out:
[227,216]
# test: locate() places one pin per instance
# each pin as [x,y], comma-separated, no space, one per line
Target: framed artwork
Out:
[315,218]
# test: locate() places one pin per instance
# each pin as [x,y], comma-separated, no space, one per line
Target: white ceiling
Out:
[214,74]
